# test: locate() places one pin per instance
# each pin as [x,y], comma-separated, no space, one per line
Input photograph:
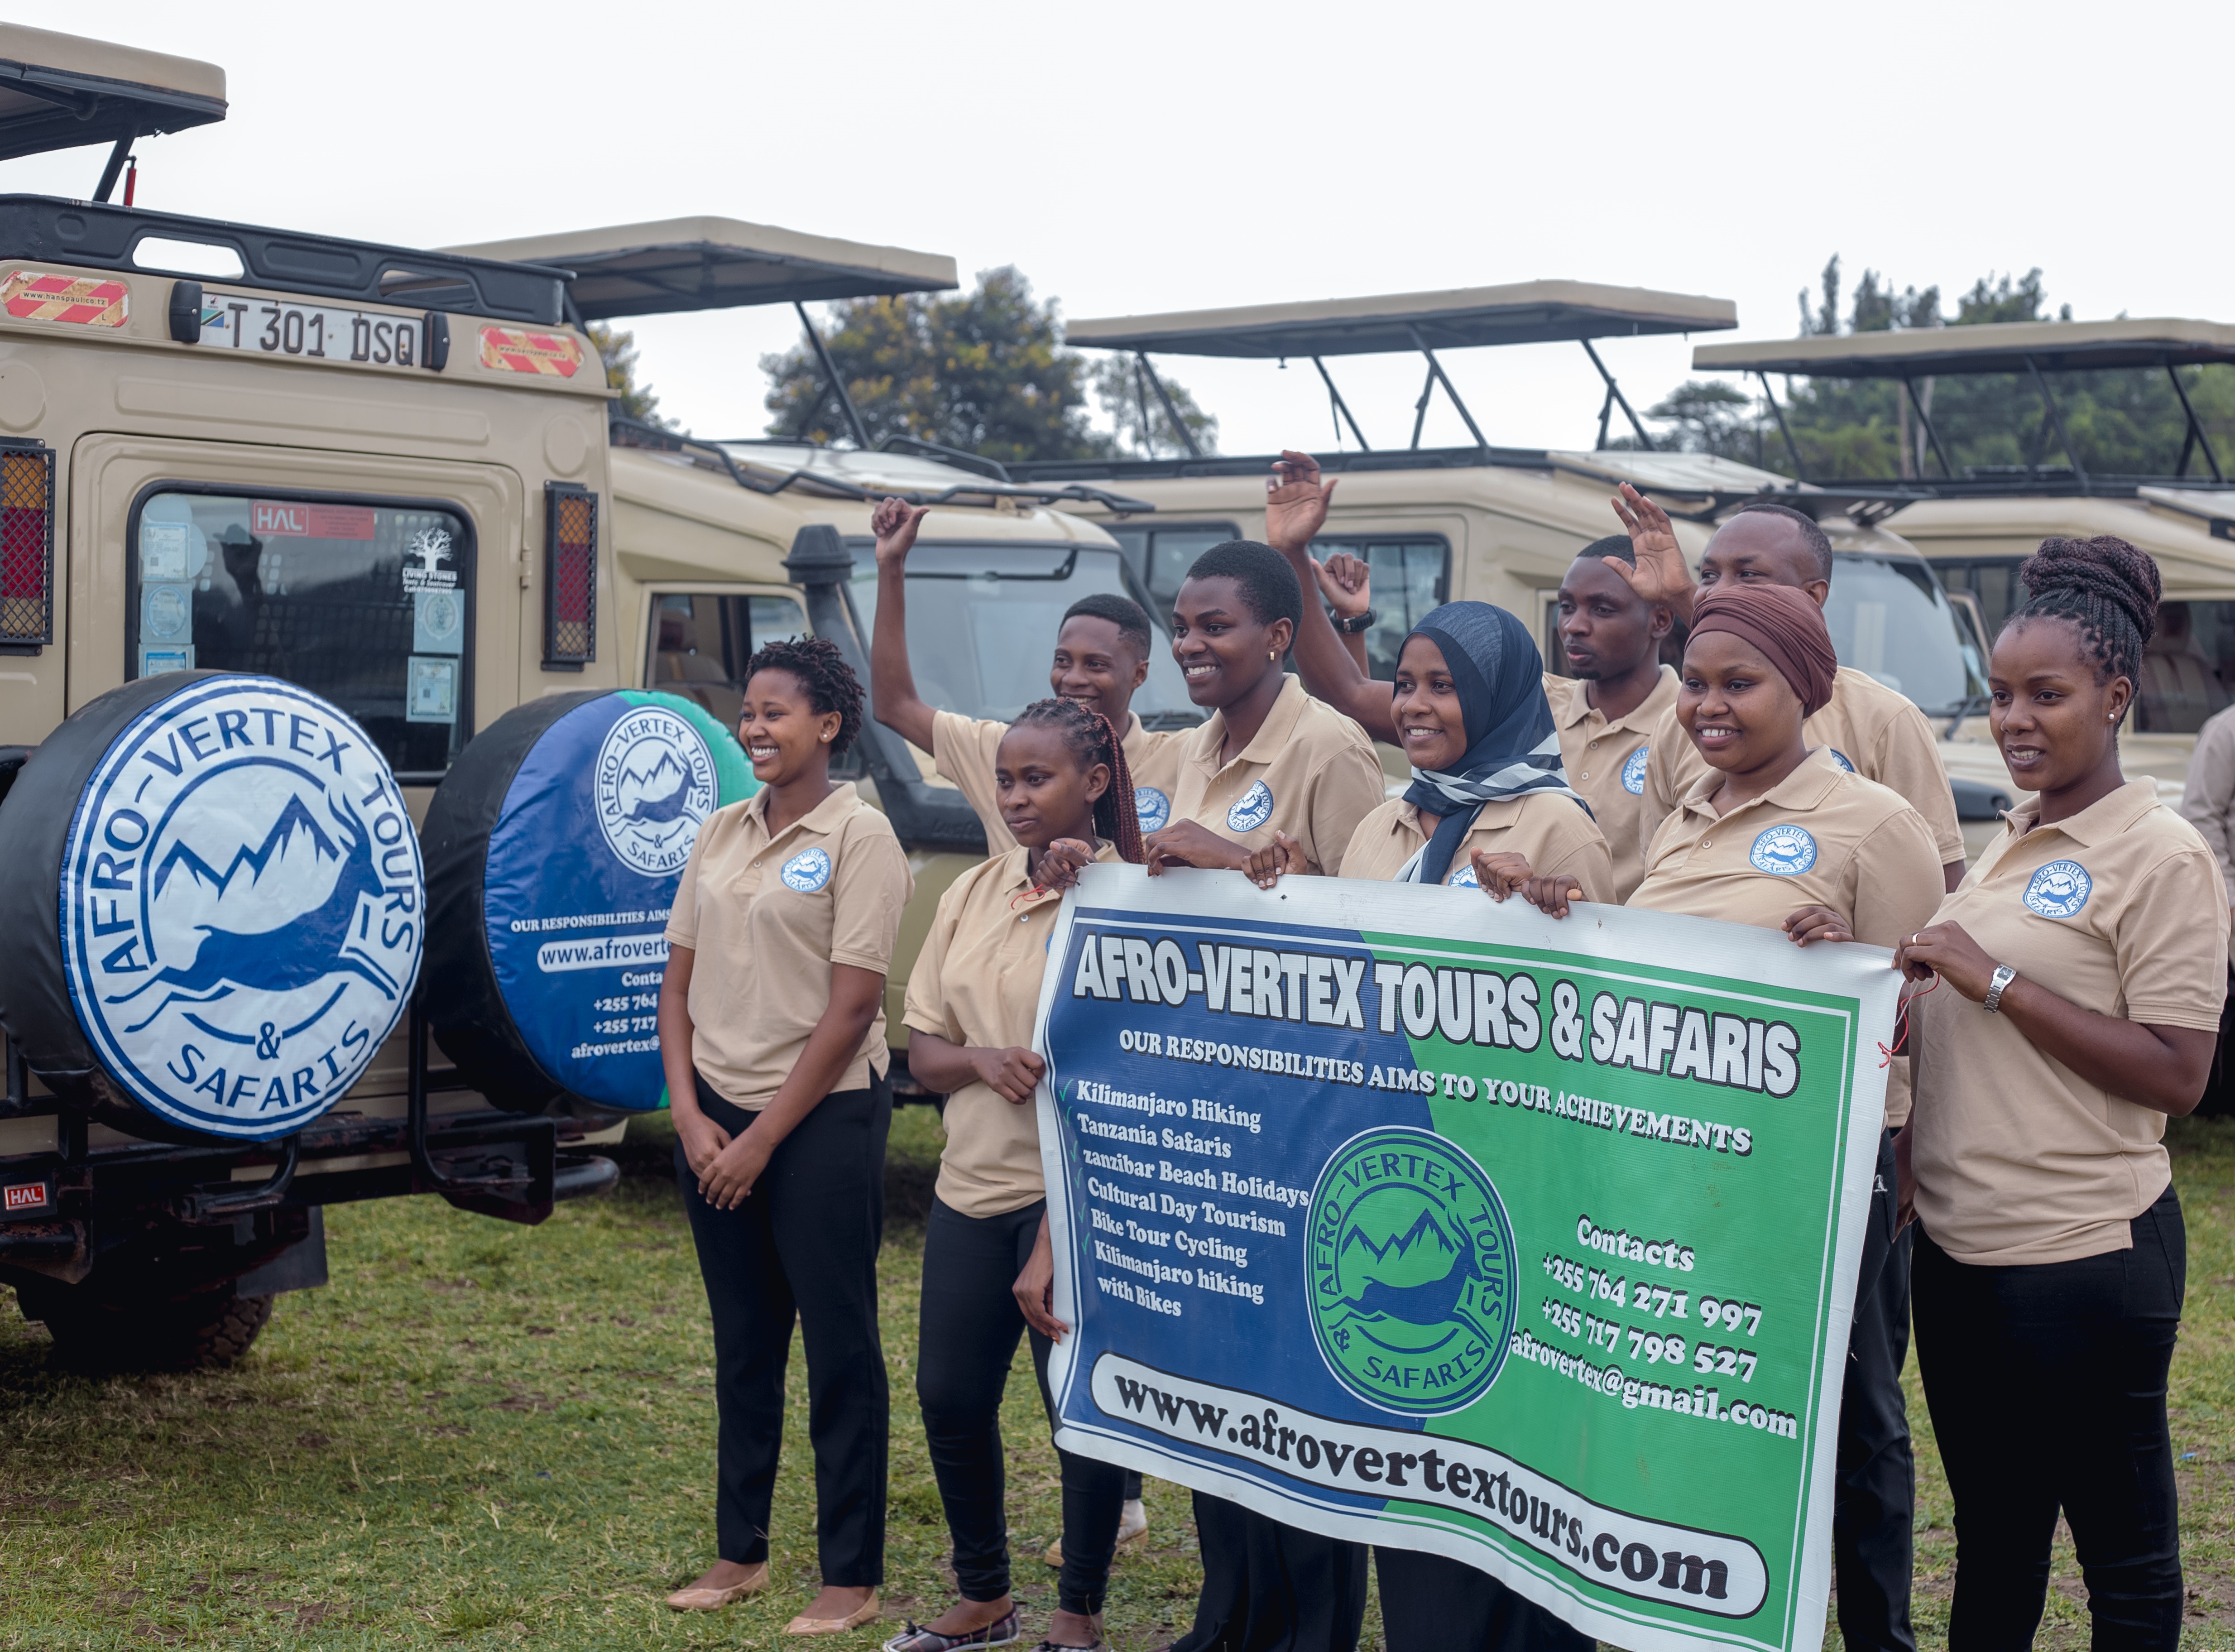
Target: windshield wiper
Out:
[1973,704]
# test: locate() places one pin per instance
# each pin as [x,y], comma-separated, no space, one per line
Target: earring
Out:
[1269,654]
[826,738]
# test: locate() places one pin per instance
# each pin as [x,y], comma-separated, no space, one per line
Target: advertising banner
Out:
[1416,1219]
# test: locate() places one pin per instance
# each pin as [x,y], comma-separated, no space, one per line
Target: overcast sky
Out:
[1157,156]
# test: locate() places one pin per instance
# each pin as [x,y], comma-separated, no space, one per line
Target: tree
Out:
[1144,428]
[985,372]
[618,351]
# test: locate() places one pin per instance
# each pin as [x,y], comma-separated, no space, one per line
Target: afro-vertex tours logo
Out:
[1413,1272]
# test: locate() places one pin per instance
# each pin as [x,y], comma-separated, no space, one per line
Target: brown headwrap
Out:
[1785,625]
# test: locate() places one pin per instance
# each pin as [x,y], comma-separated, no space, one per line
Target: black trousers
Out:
[1273,1587]
[2046,1386]
[803,1245]
[969,1324]
[1432,1604]
[1874,1504]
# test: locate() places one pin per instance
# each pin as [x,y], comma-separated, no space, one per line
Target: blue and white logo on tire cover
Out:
[1153,807]
[808,871]
[1252,811]
[242,907]
[1784,851]
[655,780]
[1633,771]
[2059,890]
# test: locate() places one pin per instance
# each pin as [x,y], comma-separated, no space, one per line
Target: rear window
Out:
[364,602]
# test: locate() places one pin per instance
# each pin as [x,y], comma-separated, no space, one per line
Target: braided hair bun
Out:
[2106,588]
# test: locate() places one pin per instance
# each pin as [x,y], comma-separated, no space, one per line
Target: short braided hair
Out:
[824,673]
[2106,590]
[1088,736]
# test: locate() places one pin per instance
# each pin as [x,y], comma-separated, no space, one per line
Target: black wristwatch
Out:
[1356,624]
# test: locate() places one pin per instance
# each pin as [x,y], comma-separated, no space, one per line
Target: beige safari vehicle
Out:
[721,545]
[1501,524]
[1978,528]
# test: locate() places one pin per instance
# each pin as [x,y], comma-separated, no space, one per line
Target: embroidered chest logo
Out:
[1254,809]
[1840,757]
[1783,851]
[2059,890]
[807,871]
[1464,878]
[1633,771]
[1153,807]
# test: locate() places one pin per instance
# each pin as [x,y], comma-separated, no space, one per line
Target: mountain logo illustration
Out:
[1412,1273]
[655,786]
[241,907]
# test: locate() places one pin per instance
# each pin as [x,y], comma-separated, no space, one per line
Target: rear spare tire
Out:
[214,906]
[554,847]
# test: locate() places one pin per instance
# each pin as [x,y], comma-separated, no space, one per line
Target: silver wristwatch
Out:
[2002,977]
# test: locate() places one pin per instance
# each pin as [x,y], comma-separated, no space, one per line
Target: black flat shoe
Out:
[1002,1631]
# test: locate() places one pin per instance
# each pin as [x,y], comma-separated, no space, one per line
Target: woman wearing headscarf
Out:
[1487,791]
[1781,837]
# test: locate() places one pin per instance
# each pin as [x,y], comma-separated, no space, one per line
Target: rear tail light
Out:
[570,570]
[27,547]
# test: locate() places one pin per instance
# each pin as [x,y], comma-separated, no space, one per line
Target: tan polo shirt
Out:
[1877,733]
[1311,772]
[964,748]
[1822,837]
[1550,831]
[977,982]
[767,919]
[2119,909]
[1606,762]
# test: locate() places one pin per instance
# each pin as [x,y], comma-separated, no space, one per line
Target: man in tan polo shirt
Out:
[1101,659]
[1869,727]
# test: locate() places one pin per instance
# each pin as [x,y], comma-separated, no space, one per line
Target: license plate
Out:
[313,331]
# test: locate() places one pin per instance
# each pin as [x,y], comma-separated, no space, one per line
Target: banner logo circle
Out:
[1413,1272]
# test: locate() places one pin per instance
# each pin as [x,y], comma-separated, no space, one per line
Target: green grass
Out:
[482,1435]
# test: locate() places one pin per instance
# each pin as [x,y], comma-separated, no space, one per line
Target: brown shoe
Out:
[713,1600]
[867,1612]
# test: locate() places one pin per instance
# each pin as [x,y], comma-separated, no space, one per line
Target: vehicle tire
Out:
[194,1331]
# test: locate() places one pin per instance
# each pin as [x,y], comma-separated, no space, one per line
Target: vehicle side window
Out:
[1161,556]
[700,643]
[2186,667]
[1410,576]
[367,603]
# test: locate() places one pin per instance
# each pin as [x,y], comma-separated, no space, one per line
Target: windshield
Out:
[1890,617]
[982,620]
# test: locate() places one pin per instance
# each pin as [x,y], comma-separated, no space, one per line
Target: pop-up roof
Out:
[60,92]
[1998,347]
[1525,313]
[716,264]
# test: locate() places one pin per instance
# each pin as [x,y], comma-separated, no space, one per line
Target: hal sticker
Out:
[2059,890]
[1252,811]
[1413,1272]
[241,907]
[656,786]
[807,871]
[1783,851]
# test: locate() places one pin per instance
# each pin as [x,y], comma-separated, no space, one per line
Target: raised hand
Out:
[894,522]
[1269,862]
[1346,583]
[1661,574]
[1295,501]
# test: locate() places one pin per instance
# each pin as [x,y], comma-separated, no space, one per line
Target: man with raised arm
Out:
[1101,659]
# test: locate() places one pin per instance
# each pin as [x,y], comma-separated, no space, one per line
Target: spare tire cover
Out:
[554,845]
[216,903]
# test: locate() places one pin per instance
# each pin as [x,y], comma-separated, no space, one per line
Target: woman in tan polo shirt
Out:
[972,998]
[2081,966]
[772,1034]
[1779,836]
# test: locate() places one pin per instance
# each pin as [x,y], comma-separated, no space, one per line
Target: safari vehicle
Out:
[1501,524]
[1978,526]
[721,545]
[373,473]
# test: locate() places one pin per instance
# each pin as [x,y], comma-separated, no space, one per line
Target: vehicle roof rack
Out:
[62,91]
[736,461]
[716,264]
[51,230]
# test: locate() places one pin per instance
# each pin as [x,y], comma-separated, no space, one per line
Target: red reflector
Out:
[570,621]
[27,559]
